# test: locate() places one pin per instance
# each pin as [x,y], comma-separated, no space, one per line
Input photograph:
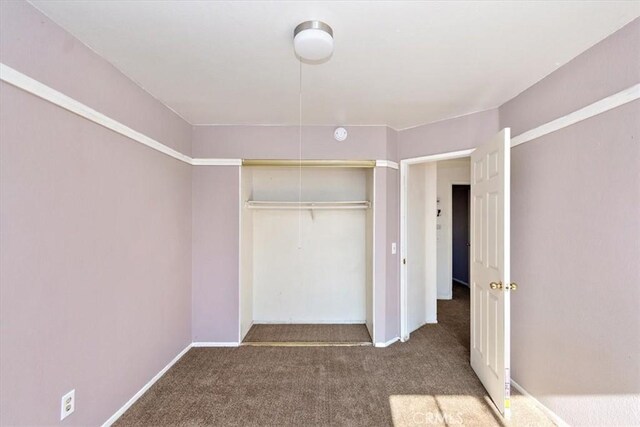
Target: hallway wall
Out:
[449,172]
[281,142]
[459,133]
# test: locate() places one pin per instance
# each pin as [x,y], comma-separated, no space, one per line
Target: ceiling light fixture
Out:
[313,40]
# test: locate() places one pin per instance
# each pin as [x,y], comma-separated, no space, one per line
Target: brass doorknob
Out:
[494,285]
[513,286]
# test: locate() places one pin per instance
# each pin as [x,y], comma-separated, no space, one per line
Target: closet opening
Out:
[306,253]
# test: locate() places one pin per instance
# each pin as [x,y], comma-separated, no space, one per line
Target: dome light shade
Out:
[313,40]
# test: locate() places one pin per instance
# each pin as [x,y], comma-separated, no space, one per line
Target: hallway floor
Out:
[454,315]
[425,381]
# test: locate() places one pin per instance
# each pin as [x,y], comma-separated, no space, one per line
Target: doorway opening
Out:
[489,171]
[430,210]
[460,233]
[454,313]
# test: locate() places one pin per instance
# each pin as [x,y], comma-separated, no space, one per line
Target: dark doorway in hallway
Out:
[460,232]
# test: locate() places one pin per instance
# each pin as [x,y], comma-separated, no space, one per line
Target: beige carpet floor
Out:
[426,381]
[308,333]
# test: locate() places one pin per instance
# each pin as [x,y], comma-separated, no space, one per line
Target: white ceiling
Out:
[396,63]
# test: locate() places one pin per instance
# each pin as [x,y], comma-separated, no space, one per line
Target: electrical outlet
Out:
[67,404]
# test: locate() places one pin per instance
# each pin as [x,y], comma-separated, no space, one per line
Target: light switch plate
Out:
[394,248]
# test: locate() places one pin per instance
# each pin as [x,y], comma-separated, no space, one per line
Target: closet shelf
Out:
[255,204]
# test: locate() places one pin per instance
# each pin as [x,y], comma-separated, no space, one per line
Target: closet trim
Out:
[310,163]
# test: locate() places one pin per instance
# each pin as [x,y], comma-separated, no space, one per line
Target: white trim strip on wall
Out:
[216,162]
[374,236]
[437,157]
[21,81]
[387,164]
[598,107]
[34,87]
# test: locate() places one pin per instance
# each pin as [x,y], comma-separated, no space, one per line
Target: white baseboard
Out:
[386,344]
[148,385]
[461,282]
[215,344]
[243,335]
[142,391]
[548,412]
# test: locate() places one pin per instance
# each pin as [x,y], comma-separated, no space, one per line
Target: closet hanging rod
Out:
[310,163]
[255,204]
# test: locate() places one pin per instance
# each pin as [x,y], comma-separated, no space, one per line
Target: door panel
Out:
[490,326]
[477,229]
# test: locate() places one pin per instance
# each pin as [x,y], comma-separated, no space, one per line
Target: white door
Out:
[490,270]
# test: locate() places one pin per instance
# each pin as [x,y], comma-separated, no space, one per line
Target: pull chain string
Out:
[300,158]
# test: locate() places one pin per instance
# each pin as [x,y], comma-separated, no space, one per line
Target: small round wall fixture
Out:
[313,40]
[340,134]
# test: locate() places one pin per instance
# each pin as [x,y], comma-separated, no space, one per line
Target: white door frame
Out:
[404,166]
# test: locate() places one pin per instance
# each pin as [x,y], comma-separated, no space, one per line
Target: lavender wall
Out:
[215,284]
[95,243]
[392,282]
[216,201]
[380,258]
[100,240]
[39,48]
[216,257]
[448,135]
[607,68]
[95,257]
[575,233]
[392,145]
[281,142]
